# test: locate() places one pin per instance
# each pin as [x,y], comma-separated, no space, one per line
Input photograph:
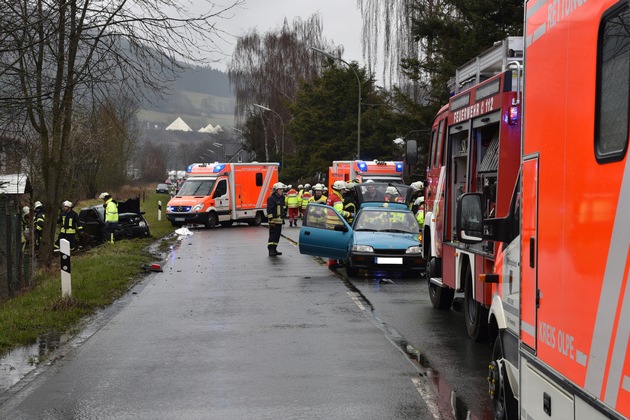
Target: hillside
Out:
[199,96]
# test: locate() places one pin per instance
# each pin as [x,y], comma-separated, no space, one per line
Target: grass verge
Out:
[99,276]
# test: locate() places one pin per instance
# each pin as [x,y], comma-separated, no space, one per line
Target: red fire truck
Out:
[560,306]
[475,147]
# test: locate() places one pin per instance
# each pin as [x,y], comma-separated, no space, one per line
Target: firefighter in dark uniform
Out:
[349,201]
[39,218]
[69,225]
[275,209]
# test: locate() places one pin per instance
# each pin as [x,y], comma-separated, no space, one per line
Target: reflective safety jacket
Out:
[69,222]
[321,200]
[350,206]
[275,208]
[335,200]
[306,196]
[111,211]
[292,199]
[39,221]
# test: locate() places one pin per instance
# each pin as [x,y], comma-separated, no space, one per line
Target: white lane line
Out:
[428,397]
[356,300]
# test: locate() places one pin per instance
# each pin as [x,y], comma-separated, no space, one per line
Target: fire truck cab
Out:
[223,193]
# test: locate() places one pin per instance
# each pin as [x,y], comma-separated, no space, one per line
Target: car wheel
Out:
[475,313]
[441,297]
[350,270]
[504,405]
[212,220]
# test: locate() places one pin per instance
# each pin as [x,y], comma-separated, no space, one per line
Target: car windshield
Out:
[382,220]
[196,187]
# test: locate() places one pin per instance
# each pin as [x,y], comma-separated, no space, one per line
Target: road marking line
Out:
[356,300]
[427,397]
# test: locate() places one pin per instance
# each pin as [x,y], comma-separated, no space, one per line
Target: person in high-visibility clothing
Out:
[38,224]
[275,208]
[420,212]
[69,224]
[318,195]
[291,201]
[111,216]
[335,200]
[392,195]
[349,201]
[304,199]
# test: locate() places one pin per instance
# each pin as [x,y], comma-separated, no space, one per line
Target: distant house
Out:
[12,155]
[179,125]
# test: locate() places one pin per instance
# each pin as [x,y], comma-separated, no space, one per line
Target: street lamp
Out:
[282,122]
[222,147]
[359,85]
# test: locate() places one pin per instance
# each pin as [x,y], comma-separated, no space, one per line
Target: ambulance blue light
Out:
[362,166]
[192,165]
[399,167]
[218,168]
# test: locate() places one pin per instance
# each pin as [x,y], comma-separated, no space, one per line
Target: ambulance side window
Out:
[259,179]
[221,189]
[613,86]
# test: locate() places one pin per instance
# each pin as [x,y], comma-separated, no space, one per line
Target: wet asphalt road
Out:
[228,333]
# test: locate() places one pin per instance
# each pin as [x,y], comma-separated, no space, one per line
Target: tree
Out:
[61,56]
[267,70]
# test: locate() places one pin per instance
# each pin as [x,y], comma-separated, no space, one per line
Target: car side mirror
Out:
[469,221]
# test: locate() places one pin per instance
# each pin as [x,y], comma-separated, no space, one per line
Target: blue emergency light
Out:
[399,167]
[218,168]
[362,166]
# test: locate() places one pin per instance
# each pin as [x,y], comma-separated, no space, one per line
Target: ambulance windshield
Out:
[196,187]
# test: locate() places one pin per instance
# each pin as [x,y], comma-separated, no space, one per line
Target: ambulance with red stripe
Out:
[362,170]
[560,312]
[223,193]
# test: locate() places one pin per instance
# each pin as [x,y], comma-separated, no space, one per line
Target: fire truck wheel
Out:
[212,220]
[504,404]
[475,314]
[441,297]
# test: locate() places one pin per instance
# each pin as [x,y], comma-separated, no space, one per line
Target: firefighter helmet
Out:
[350,185]
[300,186]
[104,195]
[279,186]
[318,187]
[339,185]
[67,203]
[37,205]
[391,190]
[25,210]
[416,186]
[307,186]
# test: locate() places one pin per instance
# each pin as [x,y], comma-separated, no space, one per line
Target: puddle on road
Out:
[21,361]
[450,405]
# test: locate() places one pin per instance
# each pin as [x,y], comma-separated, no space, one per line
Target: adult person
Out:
[38,225]
[275,209]
[318,195]
[293,205]
[111,216]
[69,225]
[349,201]
[26,224]
[335,200]
[372,193]
[304,199]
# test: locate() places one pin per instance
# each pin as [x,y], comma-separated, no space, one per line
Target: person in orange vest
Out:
[293,206]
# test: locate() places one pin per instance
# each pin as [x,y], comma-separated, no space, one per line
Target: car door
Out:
[324,233]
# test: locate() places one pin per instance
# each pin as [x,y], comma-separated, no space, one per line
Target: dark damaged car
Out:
[131,222]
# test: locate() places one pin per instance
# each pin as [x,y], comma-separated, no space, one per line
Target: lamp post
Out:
[359,104]
[222,147]
[281,122]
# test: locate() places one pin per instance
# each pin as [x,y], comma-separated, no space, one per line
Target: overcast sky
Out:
[340,18]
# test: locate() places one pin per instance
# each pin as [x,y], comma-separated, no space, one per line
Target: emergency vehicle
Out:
[377,171]
[223,193]
[560,311]
[474,147]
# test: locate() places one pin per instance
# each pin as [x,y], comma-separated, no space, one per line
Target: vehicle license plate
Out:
[388,260]
[180,219]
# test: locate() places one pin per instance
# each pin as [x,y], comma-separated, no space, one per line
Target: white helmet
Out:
[307,186]
[391,190]
[418,185]
[67,203]
[37,205]
[349,185]
[300,186]
[339,185]
[103,195]
[279,186]
[318,187]
[25,210]
[419,201]
[369,181]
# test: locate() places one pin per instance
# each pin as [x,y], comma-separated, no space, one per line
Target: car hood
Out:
[387,240]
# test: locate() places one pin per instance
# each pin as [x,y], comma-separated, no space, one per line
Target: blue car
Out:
[384,238]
